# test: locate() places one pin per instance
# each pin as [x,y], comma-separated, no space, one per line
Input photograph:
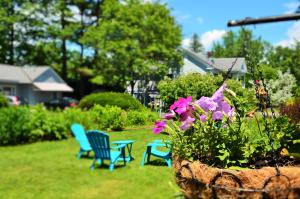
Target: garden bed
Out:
[198,180]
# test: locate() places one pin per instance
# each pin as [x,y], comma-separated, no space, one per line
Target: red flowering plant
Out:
[208,129]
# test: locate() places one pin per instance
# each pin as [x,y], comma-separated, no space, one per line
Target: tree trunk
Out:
[11,36]
[63,46]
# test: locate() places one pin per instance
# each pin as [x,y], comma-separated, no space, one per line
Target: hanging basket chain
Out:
[267,92]
[264,101]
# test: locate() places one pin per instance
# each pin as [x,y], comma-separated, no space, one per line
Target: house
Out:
[200,63]
[193,63]
[33,84]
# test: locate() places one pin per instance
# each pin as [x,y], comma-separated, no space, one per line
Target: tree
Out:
[61,30]
[285,59]
[195,44]
[241,44]
[22,25]
[136,41]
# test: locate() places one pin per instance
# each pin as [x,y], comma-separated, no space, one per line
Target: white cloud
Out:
[200,20]
[293,35]
[181,17]
[291,7]
[186,42]
[209,37]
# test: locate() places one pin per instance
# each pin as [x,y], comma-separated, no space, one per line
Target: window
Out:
[8,90]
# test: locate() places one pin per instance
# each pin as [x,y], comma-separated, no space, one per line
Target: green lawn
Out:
[51,170]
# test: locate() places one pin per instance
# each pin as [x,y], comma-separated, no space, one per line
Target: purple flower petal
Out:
[203,118]
[187,123]
[207,104]
[218,95]
[225,107]
[231,113]
[217,115]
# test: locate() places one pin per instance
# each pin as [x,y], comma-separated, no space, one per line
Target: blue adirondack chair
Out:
[152,150]
[100,144]
[80,136]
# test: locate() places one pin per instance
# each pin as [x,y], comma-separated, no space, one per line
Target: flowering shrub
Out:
[208,129]
[217,131]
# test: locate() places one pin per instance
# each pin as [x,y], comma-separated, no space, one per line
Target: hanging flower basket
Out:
[198,180]
[213,130]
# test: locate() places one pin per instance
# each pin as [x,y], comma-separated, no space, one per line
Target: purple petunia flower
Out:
[218,95]
[231,113]
[225,107]
[187,123]
[207,104]
[159,127]
[217,115]
[203,118]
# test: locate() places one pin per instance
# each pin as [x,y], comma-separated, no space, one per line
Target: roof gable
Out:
[218,64]
[28,75]
[13,74]
[34,72]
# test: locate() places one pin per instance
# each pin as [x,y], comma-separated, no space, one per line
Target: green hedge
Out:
[3,101]
[21,125]
[122,100]
[198,85]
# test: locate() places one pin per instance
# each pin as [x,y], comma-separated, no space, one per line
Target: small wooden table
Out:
[128,144]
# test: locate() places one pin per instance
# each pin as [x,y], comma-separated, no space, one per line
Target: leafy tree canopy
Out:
[195,44]
[135,40]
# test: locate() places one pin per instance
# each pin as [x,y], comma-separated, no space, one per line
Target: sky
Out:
[209,19]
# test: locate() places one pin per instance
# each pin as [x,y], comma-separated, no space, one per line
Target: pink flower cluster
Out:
[185,109]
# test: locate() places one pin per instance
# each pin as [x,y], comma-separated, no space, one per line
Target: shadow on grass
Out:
[105,166]
[156,162]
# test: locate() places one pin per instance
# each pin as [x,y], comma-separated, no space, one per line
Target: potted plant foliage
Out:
[214,154]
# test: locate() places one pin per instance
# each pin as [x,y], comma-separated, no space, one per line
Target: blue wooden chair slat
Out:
[80,135]
[100,144]
[152,150]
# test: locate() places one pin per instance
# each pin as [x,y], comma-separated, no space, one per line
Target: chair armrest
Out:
[157,144]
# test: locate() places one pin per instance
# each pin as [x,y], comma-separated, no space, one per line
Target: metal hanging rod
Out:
[253,21]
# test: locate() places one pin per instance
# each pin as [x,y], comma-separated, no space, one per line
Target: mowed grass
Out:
[51,170]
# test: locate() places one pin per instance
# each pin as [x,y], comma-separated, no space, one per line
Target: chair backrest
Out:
[80,136]
[100,143]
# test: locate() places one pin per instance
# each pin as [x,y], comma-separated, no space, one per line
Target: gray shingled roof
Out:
[220,64]
[34,72]
[18,74]
[223,64]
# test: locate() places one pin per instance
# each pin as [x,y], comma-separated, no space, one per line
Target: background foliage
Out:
[21,125]
[107,42]
[3,101]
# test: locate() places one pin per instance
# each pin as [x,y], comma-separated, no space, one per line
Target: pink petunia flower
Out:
[170,115]
[182,105]
[159,127]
